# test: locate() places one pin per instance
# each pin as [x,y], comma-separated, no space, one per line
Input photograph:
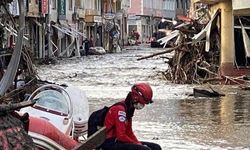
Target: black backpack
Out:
[96,119]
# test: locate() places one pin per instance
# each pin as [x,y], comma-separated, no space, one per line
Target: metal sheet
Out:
[63,30]
[206,32]
[246,40]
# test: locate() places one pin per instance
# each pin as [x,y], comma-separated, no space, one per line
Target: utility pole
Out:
[9,75]
[49,31]
[44,36]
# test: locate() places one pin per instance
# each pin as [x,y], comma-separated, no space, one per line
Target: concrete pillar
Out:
[59,46]
[67,48]
[50,50]
[43,40]
[40,55]
[32,41]
[227,38]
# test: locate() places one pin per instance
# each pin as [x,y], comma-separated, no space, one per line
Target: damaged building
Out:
[234,25]
[210,44]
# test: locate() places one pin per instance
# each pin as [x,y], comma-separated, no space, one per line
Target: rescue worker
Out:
[118,121]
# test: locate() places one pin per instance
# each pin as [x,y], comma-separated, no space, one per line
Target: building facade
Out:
[57,28]
[144,16]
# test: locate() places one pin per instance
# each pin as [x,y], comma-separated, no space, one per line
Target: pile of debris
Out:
[196,48]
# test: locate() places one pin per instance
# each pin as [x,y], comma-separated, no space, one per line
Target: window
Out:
[53,100]
[53,5]
[83,4]
[241,37]
[70,4]
[98,5]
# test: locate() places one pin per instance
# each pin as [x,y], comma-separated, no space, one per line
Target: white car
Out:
[65,107]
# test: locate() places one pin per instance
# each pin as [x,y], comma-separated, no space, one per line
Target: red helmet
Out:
[142,93]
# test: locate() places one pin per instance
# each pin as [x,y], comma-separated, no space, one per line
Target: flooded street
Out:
[174,120]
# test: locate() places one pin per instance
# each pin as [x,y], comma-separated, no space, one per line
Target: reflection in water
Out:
[222,122]
[241,110]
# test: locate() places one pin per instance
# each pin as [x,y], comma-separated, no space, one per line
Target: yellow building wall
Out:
[227,34]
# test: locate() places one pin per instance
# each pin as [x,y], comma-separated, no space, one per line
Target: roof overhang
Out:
[210,2]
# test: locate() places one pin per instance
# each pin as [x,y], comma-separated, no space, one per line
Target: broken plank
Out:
[169,50]
[93,141]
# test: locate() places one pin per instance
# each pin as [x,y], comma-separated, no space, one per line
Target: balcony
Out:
[33,10]
[90,12]
[81,13]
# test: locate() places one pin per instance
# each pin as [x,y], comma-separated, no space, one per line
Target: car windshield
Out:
[53,100]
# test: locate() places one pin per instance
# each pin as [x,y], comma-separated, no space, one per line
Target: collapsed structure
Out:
[212,45]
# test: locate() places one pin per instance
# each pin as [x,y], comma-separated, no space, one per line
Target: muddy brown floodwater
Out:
[175,120]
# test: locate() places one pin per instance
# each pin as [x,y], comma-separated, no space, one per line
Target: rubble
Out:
[196,49]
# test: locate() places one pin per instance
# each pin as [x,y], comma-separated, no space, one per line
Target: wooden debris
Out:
[246,88]
[93,141]
[169,50]
[196,48]
[206,93]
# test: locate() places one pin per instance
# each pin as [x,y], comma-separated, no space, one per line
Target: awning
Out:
[77,32]
[73,31]
[36,22]
[61,29]
[69,31]
[12,31]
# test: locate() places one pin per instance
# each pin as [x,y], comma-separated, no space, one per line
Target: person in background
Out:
[86,46]
[91,41]
[135,36]
[118,121]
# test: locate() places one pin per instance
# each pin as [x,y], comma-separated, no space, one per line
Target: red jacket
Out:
[120,127]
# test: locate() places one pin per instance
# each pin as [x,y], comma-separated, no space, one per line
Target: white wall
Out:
[69,11]
[241,4]
[53,11]
[89,4]
[125,4]
[93,5]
